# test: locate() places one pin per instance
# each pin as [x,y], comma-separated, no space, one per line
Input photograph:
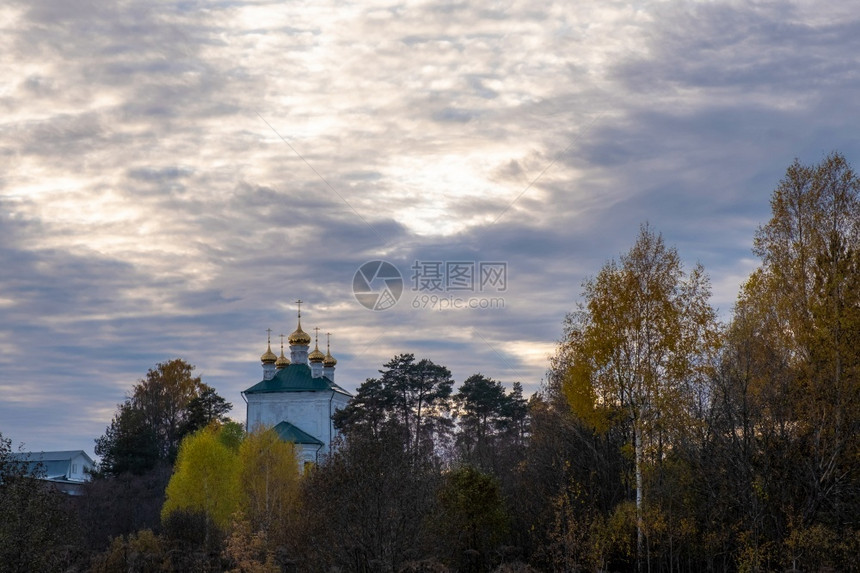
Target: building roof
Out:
[337,388]
[295,378]
[54,465]
[290,433]
[53,456]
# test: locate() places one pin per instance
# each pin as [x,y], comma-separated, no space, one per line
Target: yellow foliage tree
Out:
[269,478]
[639,350]
[205,478]
[252,480]
[248,550]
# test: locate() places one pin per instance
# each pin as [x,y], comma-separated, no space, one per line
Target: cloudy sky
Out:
[175,174]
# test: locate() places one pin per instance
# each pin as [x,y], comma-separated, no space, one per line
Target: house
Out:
[66,470]
[297,396]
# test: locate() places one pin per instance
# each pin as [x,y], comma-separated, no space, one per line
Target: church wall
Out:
[306,454]
[308,411]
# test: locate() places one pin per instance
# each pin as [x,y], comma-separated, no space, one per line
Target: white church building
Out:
[297,395]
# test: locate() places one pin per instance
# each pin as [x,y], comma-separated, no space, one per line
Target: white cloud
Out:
[148,211]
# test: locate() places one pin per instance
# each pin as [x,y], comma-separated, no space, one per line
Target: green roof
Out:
[290,433]
[295,378]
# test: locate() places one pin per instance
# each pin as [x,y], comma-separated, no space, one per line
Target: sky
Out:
[174,174]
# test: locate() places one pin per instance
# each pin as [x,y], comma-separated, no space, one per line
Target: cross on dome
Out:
[299,337]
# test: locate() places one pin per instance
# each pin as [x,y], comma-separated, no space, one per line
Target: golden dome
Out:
[268,356]
[329,361]
[300,337]
[282,361]
[316,355]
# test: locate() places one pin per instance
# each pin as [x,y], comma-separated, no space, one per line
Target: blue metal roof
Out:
[55,465]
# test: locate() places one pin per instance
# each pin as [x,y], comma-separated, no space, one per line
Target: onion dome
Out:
[268,356]
[282,361]
[300,337]
[316,356]
[328,361]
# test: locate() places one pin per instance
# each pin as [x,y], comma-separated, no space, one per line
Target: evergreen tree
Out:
[163,408]
[410,398]
[490,420]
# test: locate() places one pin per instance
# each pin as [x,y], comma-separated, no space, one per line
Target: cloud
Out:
[175,174]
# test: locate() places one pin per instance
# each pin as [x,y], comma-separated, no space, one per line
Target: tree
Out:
[128,444]
[810,252]
[516,414]
[205,479]
[771,482]
[203,409]
[486,412]
[472,520]
[148,427]
[480,409]
[163,398]
[420,392]
[567,495]
[365,507]
[121,505]
[141,551]
[639,346]
[249,550]
[368,412]
[35,520]
[269,483]
[223,480]
[793,383]
[410,397]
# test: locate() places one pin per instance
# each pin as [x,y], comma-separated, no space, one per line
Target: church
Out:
[297,395]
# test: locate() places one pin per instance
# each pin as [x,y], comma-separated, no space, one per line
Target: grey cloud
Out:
[193,226]
[453,115]
[65,136]
[157,175]
[755,46]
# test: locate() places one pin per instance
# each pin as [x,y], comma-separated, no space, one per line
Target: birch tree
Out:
[205,478]
[639,346]
[269,478]
[809,287]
